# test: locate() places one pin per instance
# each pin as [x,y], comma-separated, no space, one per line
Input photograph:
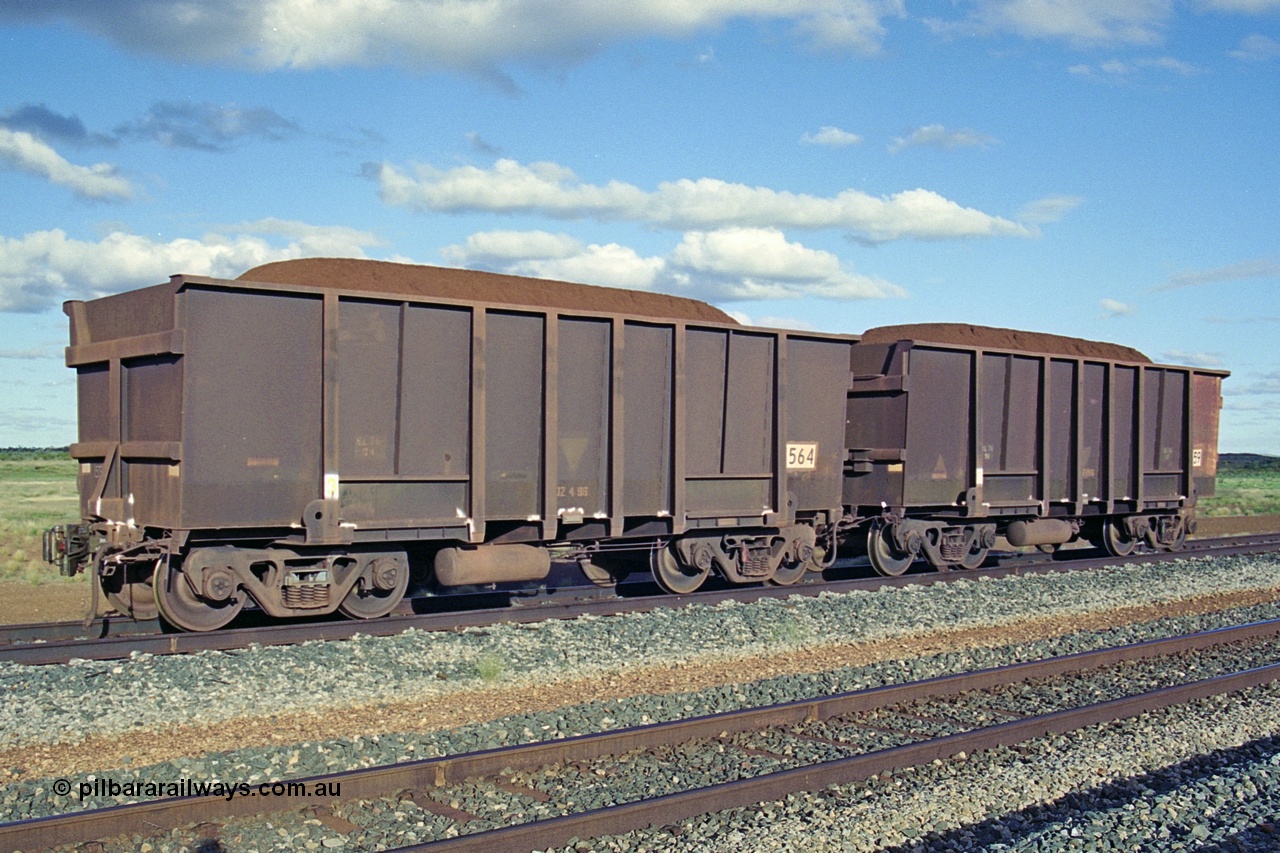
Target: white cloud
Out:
[502,246]
[1256,48]
[552,190]
[476,36]
[610,265]
[1242,271]
[937,136]
[760,263]
[23,151]
[772,322]
[1078,22]
[43,268]
[542,254]
[1115,308]
[725,265]
[832,137]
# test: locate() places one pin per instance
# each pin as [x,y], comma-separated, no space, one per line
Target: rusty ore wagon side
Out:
[306,443]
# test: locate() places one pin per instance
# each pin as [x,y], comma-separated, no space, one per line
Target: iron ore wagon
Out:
[313,436]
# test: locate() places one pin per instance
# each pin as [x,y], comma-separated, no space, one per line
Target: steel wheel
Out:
[180,607]
[1115,540]
[672,574]
[885,555]
[136,600]
[789,572]
[1178,541]
[597,574]
[976,556]
[379,590]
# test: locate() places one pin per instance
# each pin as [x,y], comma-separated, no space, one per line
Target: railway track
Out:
[113,638]
[585,786]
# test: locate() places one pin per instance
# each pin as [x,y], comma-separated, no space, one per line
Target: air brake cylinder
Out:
[491,564]
[1039,531]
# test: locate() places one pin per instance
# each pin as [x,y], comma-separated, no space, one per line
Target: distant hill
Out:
[1248,462]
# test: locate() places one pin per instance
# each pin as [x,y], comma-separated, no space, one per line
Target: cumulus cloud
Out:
[832,137]
[610,265]
[725,265]
[1115,308]
[43,268]
[1078,22]
[937,136]
[760,263]
[473,37]
[22,151]
[1256,48]
[489,247]
[1242,271]
[552,190]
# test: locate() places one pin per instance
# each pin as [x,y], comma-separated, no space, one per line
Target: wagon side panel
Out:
[816,372]
[1206,396]
[252,407]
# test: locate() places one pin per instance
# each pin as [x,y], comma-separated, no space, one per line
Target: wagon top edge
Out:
[491,291]
[998,341]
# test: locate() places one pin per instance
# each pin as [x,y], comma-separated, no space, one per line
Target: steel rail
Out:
[673,808]
[290,633]
[371,783]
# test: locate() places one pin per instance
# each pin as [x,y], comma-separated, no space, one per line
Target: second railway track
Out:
[587,786]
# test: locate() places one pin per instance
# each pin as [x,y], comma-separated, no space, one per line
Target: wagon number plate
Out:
[802,456]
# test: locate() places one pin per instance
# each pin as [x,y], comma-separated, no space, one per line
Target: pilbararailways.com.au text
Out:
[110,788]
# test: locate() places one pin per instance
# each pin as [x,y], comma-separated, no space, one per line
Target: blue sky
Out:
[1102,168]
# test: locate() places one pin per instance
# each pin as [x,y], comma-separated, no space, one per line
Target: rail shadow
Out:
[1075,811]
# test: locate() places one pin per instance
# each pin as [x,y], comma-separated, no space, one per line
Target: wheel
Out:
[789,572]
[130,592]
[1115,540]
[179,606]
[885,555]
[136,600]
[976,556]
[597,574]
[379,590]
[672,574]
[1178,541]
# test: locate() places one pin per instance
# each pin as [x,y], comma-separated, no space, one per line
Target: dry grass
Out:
[35,494]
